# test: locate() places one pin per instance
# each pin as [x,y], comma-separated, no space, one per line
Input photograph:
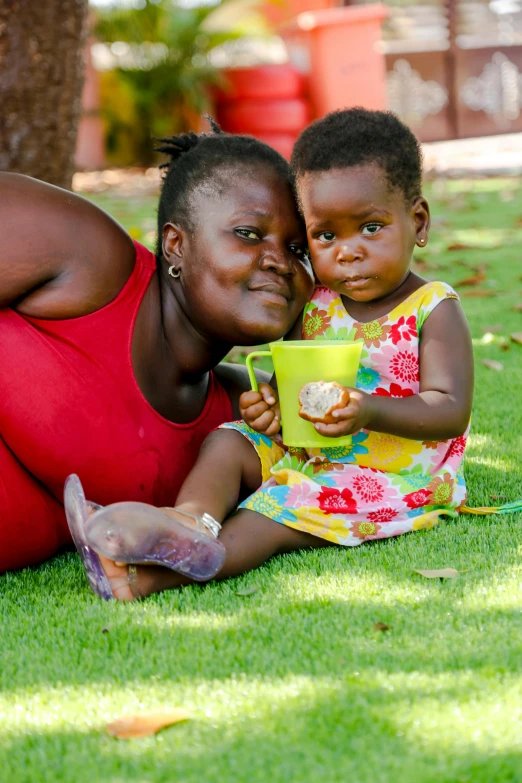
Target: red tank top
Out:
[70,403]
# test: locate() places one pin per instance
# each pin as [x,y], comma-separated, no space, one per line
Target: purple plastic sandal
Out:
[132,532]
[77,513]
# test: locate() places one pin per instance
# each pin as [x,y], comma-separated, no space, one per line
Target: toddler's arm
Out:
[442,408]
[260,410]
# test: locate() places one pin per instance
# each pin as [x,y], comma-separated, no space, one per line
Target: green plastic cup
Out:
[297,362]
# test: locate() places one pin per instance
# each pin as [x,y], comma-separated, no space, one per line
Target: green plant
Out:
[167,63]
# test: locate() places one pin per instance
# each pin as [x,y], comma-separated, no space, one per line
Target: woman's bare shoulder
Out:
[60,255]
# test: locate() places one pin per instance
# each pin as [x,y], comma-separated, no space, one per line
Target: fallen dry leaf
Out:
[460,246]
[480,292]
[518,307]
[145,724]
[247,590]
[493,329]
[516,337]
[441,573]
[381,627]
[492,364]
[471,281]
[498,497]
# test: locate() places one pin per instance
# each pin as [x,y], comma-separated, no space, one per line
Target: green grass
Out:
[292,683]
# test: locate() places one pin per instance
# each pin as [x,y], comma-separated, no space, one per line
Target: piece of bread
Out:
[319,399]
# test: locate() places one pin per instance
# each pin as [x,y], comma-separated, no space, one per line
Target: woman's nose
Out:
[278,261]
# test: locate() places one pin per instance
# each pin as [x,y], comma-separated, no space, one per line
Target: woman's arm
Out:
[442,408]
[60,256]
[234,379]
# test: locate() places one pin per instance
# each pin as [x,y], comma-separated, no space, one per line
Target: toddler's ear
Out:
[420,213]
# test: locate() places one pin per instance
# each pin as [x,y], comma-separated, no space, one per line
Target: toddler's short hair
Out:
[352,137]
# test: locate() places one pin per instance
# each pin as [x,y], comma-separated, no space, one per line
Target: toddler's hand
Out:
[260,410]
[353,418]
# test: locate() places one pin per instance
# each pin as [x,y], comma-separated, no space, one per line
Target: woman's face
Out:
[245,275]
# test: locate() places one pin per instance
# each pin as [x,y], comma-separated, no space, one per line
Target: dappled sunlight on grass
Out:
[478,185]
[51,709]
[450,714]
[486,238]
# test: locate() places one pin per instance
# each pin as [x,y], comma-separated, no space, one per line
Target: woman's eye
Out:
[370,229]
[247,233]
[325,236]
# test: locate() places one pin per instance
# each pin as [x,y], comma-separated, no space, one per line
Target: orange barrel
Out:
[340,49]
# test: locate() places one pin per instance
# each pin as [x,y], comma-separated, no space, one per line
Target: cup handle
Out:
[250,369]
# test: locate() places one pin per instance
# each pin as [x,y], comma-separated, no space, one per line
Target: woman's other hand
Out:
[260,410]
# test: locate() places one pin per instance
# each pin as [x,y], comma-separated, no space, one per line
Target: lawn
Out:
[292,682]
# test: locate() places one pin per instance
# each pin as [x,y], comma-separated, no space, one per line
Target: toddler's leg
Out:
[32,522]
[227,468]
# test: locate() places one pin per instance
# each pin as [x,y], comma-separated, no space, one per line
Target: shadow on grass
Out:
[360,733]
[210,633]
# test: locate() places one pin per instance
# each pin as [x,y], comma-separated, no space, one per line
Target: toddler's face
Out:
[361,233]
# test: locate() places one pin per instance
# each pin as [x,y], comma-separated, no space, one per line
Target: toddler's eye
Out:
[370,229]
[247,233]
[325,236]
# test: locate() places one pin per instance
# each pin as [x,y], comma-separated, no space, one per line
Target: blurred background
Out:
[85,86]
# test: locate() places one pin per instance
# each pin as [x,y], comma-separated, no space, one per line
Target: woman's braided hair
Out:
[194,161]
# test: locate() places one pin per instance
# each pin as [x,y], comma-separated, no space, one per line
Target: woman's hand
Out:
[260,410]
[354,417]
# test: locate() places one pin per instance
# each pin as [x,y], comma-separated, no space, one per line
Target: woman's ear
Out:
[420,212]
[172,244]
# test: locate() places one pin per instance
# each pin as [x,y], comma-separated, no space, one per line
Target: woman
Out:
[110,354]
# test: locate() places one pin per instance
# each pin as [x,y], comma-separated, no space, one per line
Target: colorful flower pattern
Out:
[380,485]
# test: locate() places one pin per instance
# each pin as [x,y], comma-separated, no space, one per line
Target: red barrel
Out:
[282,142]
[263,81]
[265,116]
[268,102]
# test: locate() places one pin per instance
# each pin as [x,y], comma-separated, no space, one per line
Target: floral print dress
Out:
[380,485]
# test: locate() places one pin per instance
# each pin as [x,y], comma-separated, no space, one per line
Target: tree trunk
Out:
[41,74]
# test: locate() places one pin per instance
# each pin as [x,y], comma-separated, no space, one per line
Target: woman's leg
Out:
[249,538]
[32,522]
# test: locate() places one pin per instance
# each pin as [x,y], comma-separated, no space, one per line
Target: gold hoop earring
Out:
[175,273]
